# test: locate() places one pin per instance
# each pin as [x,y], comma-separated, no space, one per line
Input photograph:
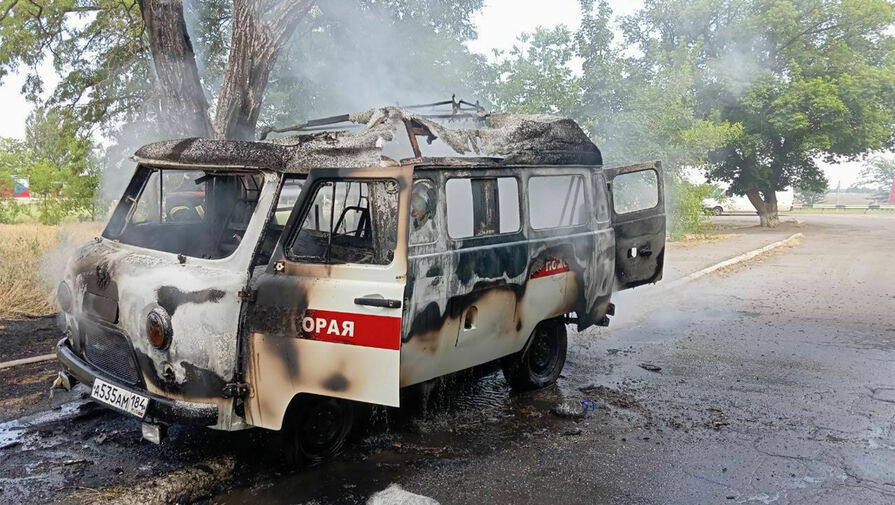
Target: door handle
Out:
[643,250]
[378,302]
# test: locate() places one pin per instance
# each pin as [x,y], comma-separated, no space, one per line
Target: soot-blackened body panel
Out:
[305,333]
[473,300]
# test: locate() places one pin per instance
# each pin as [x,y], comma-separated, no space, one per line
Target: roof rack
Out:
[459,109]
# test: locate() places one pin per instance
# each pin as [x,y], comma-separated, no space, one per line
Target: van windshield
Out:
[190,212]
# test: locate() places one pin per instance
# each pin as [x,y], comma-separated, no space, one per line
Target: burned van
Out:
[279,283]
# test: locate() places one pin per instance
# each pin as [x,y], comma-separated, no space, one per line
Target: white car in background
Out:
[723,202]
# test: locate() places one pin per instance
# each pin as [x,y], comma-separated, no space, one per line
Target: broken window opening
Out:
[635,191]
[423,209]
[349,222]
[190,212]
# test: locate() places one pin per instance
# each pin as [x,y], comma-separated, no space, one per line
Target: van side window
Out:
[635,191]
[482,206]
[423,208]
[341,226]
[556,201]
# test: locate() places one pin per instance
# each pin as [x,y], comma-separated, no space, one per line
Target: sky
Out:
[499,23]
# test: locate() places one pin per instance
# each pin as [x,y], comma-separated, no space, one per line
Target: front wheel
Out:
[717,211]
[540,364]
[317,429]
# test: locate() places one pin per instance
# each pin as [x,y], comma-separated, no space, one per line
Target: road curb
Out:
[27,361]
[736,260]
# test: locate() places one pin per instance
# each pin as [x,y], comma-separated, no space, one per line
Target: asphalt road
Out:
[776,385]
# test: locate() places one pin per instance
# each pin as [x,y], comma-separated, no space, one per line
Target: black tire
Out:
[717,211]
[541,362]
[316,429]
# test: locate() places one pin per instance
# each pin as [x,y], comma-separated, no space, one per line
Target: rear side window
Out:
[556,201]
[423,208]
[635,191]
[482,206]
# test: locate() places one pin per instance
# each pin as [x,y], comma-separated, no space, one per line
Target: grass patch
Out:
[809,210]
[31,261]
[696,239]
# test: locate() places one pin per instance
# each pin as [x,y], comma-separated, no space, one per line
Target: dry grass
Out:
[692,239]
[31,261]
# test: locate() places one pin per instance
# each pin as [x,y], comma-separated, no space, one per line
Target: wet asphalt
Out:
[776,385]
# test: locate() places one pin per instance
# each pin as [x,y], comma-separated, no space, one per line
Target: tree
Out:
[57,161]
[210,63]
[535,75]
[810,197]
[805,79]
[635,111]
[879,177]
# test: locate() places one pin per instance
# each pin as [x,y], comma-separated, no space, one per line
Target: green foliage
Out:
[101,53]
[12,154]
[97,48]
[57,163]
[804,79]
[636,110]
[810,197]
[535,76]
[684,203]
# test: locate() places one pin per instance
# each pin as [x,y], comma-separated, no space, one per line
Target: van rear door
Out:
[638,218]
[326,313]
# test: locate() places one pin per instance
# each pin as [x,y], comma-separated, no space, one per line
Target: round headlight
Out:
[64,297]
[158,328]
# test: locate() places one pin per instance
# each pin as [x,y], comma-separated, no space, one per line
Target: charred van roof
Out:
[493,139]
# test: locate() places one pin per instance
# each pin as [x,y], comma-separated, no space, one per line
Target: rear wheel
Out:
[539,364]
[317,429]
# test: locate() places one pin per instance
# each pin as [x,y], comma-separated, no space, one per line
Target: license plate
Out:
[119,398]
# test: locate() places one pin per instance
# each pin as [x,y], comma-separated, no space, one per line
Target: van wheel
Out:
[316,429]
[717,211]
[540,364]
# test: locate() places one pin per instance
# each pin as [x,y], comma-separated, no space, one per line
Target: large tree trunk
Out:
[766,206]
[260,30]
[183,107]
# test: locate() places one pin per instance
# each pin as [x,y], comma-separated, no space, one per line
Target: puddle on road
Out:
[461,420]
[18,433]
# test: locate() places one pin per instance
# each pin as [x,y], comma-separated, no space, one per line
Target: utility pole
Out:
[892,192]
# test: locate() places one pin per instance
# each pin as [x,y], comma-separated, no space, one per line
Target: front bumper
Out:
[160,408]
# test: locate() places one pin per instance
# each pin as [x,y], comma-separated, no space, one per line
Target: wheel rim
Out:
[543,353]
[323,427]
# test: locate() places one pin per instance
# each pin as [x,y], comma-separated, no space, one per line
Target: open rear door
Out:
[326,314]
[638,218]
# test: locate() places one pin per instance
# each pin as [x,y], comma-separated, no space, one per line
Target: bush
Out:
[684,207]
[10,210]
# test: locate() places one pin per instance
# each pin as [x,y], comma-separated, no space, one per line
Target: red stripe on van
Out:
[383,332]
[551,267]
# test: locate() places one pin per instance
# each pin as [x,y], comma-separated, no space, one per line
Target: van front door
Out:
[326,314]
[638,218]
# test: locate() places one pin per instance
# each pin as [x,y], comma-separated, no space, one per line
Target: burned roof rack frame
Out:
[459,109]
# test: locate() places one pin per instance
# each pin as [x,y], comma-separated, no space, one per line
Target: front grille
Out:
[110,351]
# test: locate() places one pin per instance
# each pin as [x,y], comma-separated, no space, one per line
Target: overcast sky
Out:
[499,23]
